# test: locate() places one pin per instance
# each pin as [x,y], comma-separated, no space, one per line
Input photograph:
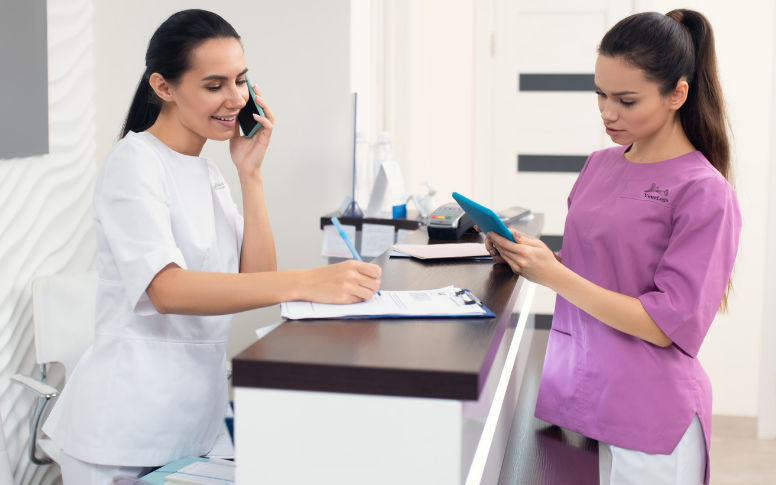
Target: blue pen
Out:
[347,240]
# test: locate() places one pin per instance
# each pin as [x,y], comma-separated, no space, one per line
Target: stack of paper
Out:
[443,251]
[204,473]
[442,302]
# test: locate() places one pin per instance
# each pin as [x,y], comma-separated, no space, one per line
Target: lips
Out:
[227,121]
[612,131]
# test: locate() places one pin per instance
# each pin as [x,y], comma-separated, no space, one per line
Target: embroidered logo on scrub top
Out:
[219,186]
[655,189]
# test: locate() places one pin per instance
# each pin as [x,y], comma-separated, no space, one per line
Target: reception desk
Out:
[389,401]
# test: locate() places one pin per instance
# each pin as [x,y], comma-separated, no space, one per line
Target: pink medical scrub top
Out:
[667,234]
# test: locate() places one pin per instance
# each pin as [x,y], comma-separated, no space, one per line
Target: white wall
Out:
[430,93]
[298,53]
[45,215]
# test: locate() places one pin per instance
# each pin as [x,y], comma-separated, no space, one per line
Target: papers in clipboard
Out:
[443,302]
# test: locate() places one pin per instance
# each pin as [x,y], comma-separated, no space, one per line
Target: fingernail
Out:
[518,236]
[259,98]
[488,236]
[492,252]
[256,116]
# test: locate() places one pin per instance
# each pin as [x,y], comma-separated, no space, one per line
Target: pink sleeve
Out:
[692,276]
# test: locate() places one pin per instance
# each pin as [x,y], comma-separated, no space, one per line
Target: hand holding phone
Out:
[248,123]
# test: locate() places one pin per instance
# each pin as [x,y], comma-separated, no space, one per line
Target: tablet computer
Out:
[486,219]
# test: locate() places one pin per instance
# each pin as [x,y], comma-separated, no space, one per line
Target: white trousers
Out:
[685,466]
[77,472]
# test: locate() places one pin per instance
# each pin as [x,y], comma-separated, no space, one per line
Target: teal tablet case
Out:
[253,100]
[486,219]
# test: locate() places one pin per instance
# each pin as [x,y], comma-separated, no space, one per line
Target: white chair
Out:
[63,314]
[6,473]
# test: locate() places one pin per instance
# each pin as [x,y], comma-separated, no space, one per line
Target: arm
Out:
[258,245]
[536,262]
[622,312]
[186,292]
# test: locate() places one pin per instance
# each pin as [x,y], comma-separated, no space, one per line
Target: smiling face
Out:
[631,106]
[208,96]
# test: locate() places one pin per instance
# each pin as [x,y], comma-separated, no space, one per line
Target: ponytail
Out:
[145,108]
[671,47]
[703,114]
[169,54]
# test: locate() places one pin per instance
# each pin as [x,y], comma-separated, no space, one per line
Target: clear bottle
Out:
[364,172]
[382,151]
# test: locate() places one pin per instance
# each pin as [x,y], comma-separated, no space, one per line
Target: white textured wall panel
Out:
[45,215]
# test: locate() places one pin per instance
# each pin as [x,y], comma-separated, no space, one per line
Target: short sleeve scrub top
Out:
[666,233]
[152,388]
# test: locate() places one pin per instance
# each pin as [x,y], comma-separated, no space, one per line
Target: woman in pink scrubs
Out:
[648,250]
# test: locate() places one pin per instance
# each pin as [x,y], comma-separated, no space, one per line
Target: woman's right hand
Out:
[497,258]
[348,282]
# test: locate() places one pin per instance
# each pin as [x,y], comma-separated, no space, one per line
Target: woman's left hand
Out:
[528,257]
[248,153]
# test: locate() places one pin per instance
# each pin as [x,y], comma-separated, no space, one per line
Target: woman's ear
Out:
[679,96]
[160,87]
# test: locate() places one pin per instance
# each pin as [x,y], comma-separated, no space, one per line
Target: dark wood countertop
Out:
[436,358]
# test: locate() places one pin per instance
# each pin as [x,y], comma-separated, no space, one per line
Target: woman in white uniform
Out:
[175,260]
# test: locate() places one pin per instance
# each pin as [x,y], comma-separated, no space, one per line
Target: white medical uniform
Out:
[686,465]
[152,388]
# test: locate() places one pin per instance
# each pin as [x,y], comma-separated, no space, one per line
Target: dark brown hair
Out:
[671,47]
[169,53]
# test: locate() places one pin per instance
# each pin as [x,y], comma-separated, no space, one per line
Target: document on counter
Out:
[443,251]
[449,302]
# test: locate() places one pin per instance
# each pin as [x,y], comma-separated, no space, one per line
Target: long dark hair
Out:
[169,54]
[668,48]
[671,47]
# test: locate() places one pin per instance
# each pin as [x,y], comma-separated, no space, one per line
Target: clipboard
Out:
[447,302]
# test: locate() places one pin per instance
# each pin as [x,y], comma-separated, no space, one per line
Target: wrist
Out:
[250,176]
[295,285]
[556,276]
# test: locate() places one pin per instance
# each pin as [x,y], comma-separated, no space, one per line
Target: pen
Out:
[347,240]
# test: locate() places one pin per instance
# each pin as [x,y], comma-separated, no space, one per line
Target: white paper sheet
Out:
[376,239]
[333,245]
[388,189]
[205,473]
[441,301]
[263,331]
[440,251]
[397,254]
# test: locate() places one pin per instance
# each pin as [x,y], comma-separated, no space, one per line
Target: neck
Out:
[670,141]
[170,131]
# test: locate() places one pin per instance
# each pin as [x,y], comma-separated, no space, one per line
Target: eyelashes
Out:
[624,103]
[213,89]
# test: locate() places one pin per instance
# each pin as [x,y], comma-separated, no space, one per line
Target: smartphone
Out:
[248,123]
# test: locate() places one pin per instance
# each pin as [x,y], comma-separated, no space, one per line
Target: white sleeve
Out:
[133,210]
